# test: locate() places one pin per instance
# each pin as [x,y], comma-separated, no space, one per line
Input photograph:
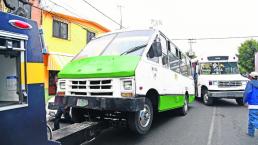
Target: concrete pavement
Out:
[225,123]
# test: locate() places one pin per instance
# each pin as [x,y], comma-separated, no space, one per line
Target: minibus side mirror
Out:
[156,46]
[151,53]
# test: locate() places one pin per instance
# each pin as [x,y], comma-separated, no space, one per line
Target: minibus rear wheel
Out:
[140,122]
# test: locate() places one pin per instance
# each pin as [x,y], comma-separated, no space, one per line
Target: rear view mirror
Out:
[151,52]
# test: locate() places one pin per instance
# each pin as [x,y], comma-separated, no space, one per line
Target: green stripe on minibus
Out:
[168,102]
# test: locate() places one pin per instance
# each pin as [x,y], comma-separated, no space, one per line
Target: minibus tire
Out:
[134,119]
[206,99]
[240,101]
[184,110]
[78,115]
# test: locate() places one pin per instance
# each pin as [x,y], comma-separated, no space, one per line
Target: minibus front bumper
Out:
[226,94]
[106,103]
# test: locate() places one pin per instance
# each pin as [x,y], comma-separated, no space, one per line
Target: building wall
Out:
[77,37]
[36,11]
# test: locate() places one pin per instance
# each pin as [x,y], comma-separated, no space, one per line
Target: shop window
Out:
[60,29]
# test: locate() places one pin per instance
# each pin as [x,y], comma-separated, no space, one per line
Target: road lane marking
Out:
[212,126]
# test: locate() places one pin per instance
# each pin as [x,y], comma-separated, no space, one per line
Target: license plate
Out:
[82,102]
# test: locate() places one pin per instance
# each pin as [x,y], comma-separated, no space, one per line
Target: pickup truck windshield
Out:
[122,43]
[218,68]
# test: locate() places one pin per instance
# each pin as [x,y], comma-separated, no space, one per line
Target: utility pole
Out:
[121,16]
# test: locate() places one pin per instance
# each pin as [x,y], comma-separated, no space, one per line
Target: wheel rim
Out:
[145,116]
[205,98]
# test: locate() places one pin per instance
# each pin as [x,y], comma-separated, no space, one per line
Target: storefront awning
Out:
[57,62]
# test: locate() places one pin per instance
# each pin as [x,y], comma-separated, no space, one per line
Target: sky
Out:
[187,19]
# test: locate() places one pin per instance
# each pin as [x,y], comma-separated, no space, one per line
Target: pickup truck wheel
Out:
[240,101]
[78,115]
[206,99]
[140,122]
[183,110]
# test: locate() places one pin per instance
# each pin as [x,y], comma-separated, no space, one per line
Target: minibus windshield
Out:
[217,68]
[121,43]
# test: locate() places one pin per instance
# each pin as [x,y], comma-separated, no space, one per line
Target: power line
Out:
[65,9]
[216,38]
[54,14]
[102,13]
[78,24]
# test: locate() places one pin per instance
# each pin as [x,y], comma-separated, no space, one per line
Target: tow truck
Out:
[22,100]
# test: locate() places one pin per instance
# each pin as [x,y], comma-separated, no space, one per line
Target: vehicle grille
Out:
[90,87]
[230,83]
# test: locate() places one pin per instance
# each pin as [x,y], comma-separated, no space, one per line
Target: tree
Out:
[246,53]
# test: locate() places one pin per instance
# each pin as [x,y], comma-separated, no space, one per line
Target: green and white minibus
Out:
[125,77]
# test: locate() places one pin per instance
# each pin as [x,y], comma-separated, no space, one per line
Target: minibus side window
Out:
[189,65]
[164,51]
[173,61]
[184,66]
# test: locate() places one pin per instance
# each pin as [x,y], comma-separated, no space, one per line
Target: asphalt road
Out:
[225,123]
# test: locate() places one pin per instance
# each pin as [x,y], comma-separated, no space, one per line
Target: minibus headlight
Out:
[62,85]
[215,83]
[128,85]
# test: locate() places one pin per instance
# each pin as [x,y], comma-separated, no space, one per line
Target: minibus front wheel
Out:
[207,100]
[140,121]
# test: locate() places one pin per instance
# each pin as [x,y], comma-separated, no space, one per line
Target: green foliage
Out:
[246,53]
